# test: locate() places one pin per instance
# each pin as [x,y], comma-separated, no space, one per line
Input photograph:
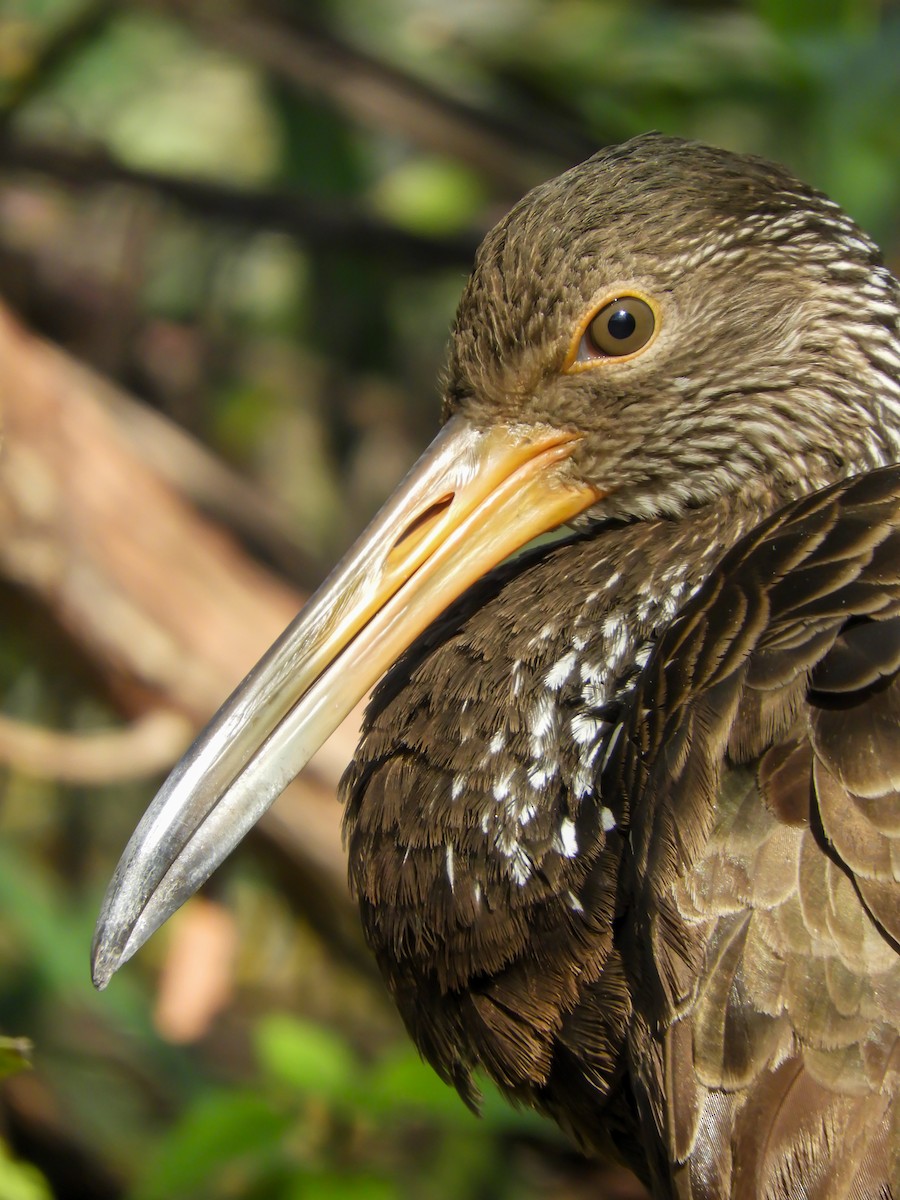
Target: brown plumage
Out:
[624,824]
[723,1002]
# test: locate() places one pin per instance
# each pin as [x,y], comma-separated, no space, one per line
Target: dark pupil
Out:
[621,325]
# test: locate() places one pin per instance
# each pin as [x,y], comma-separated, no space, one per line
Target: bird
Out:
[623,823]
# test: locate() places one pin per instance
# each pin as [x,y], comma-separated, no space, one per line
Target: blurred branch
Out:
[147,747]
[169,609]
[128,568]
[341,225]
[515,155]
[66,41]
[185,463]
[62,307]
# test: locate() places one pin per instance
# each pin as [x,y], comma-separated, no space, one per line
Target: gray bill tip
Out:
[115,938]
[106,958]
[102,970]
[119,913]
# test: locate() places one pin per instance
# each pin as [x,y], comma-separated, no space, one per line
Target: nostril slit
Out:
[416,528]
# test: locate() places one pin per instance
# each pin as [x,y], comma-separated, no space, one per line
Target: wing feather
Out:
[762,747]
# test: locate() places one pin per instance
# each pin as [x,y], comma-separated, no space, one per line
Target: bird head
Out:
[662,326]
[708,322]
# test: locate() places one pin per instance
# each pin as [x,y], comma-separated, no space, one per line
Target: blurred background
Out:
[232,236]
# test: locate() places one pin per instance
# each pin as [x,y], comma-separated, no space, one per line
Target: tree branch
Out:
[147,747]
[62,45]
[332,224]
[171,612]
[371,93]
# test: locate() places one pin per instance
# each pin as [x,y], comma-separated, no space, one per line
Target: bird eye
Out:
[621,327]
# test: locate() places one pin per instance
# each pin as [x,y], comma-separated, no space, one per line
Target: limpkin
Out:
[623,824]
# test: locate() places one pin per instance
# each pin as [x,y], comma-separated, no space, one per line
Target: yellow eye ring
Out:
[619,329]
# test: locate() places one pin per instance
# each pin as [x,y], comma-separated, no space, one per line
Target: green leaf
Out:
[21,1181]
[827,16]
[402,1083]
[342,1187]
[430,196]
[307,1057]
[224,1134]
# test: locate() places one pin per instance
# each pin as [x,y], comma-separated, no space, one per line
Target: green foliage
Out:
[310,1060]
[19,1180]
[324,1121]
[430,195]
[132,86]
[223,1146]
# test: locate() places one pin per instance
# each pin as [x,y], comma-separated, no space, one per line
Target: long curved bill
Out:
[471,500]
